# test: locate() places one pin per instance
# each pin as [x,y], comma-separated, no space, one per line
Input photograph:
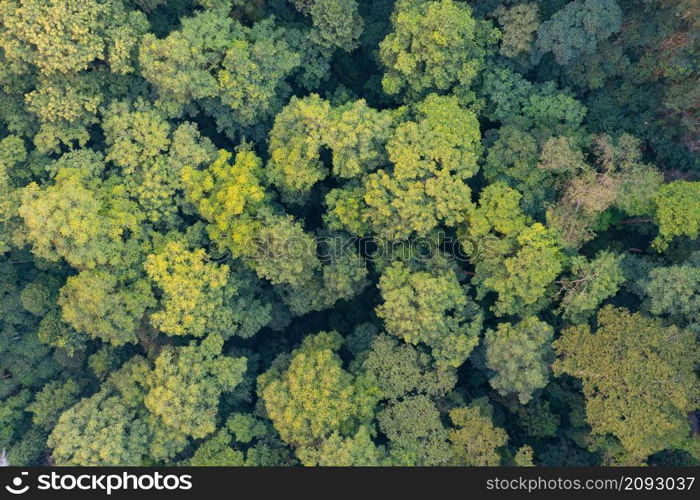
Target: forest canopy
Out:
[349,232]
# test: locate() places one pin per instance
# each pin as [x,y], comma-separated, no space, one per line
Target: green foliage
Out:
[336,451]
[189,189]
[295,143]
[432,309]
[78,218]
[217,452]
[575,30]
[521,260]
[674,291]
[416,434]
[199,297]
[310,397]
[235,72]
[434,46]
[54,398]
[187,382]
[519,24]
[520,355]
[677,212]
[432,159]
[524,456]
[638,377]
[590,282]
[401,369]
[96,303]
[538,420]
[106,428]
[475,441]
[337,23]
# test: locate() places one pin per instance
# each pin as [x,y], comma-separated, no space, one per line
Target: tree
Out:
[187,382]
[54,398]
[98,303]
[79,219]
[538,420]
[432,309]
[357,135]
[475,440]
[511,159]
[523,281]
[416,435]
[217,452]
[356,451]
[520,355]
[296,140]
[540,108]
[638,378]
[402,369]
[519,25]
[432,158]
[524,457]
[201,297]
[434,46]
[63,51]
[235,72]
[66,36]
[337,23]
[152,155]
[576,29]
[108,428]
[674,291]
[521,260]
[589,283]
[228,196]
[677,212]
[12,153]
[309,396]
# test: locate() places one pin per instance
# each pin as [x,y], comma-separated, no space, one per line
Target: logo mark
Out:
[17,482]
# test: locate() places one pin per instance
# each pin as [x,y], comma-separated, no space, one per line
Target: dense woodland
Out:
[349,232]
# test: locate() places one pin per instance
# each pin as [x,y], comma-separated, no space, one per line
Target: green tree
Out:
[199,297]
[296,140]
[402,369]
[520,355]
[309,396]
[589,283]
[337,23]
[217,452]
[79,219]
[432,309]
[519,25]
[432,159]
[98,303]
[677,212]
[521,260]
[674,291]
[475,440]
[638,378]
[336,451]
[415,432]
[434,46]
[53,399]
[187,382]
[109,428]
[236,73]
[576,29]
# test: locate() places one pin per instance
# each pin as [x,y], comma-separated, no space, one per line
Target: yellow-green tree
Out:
[638,377]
